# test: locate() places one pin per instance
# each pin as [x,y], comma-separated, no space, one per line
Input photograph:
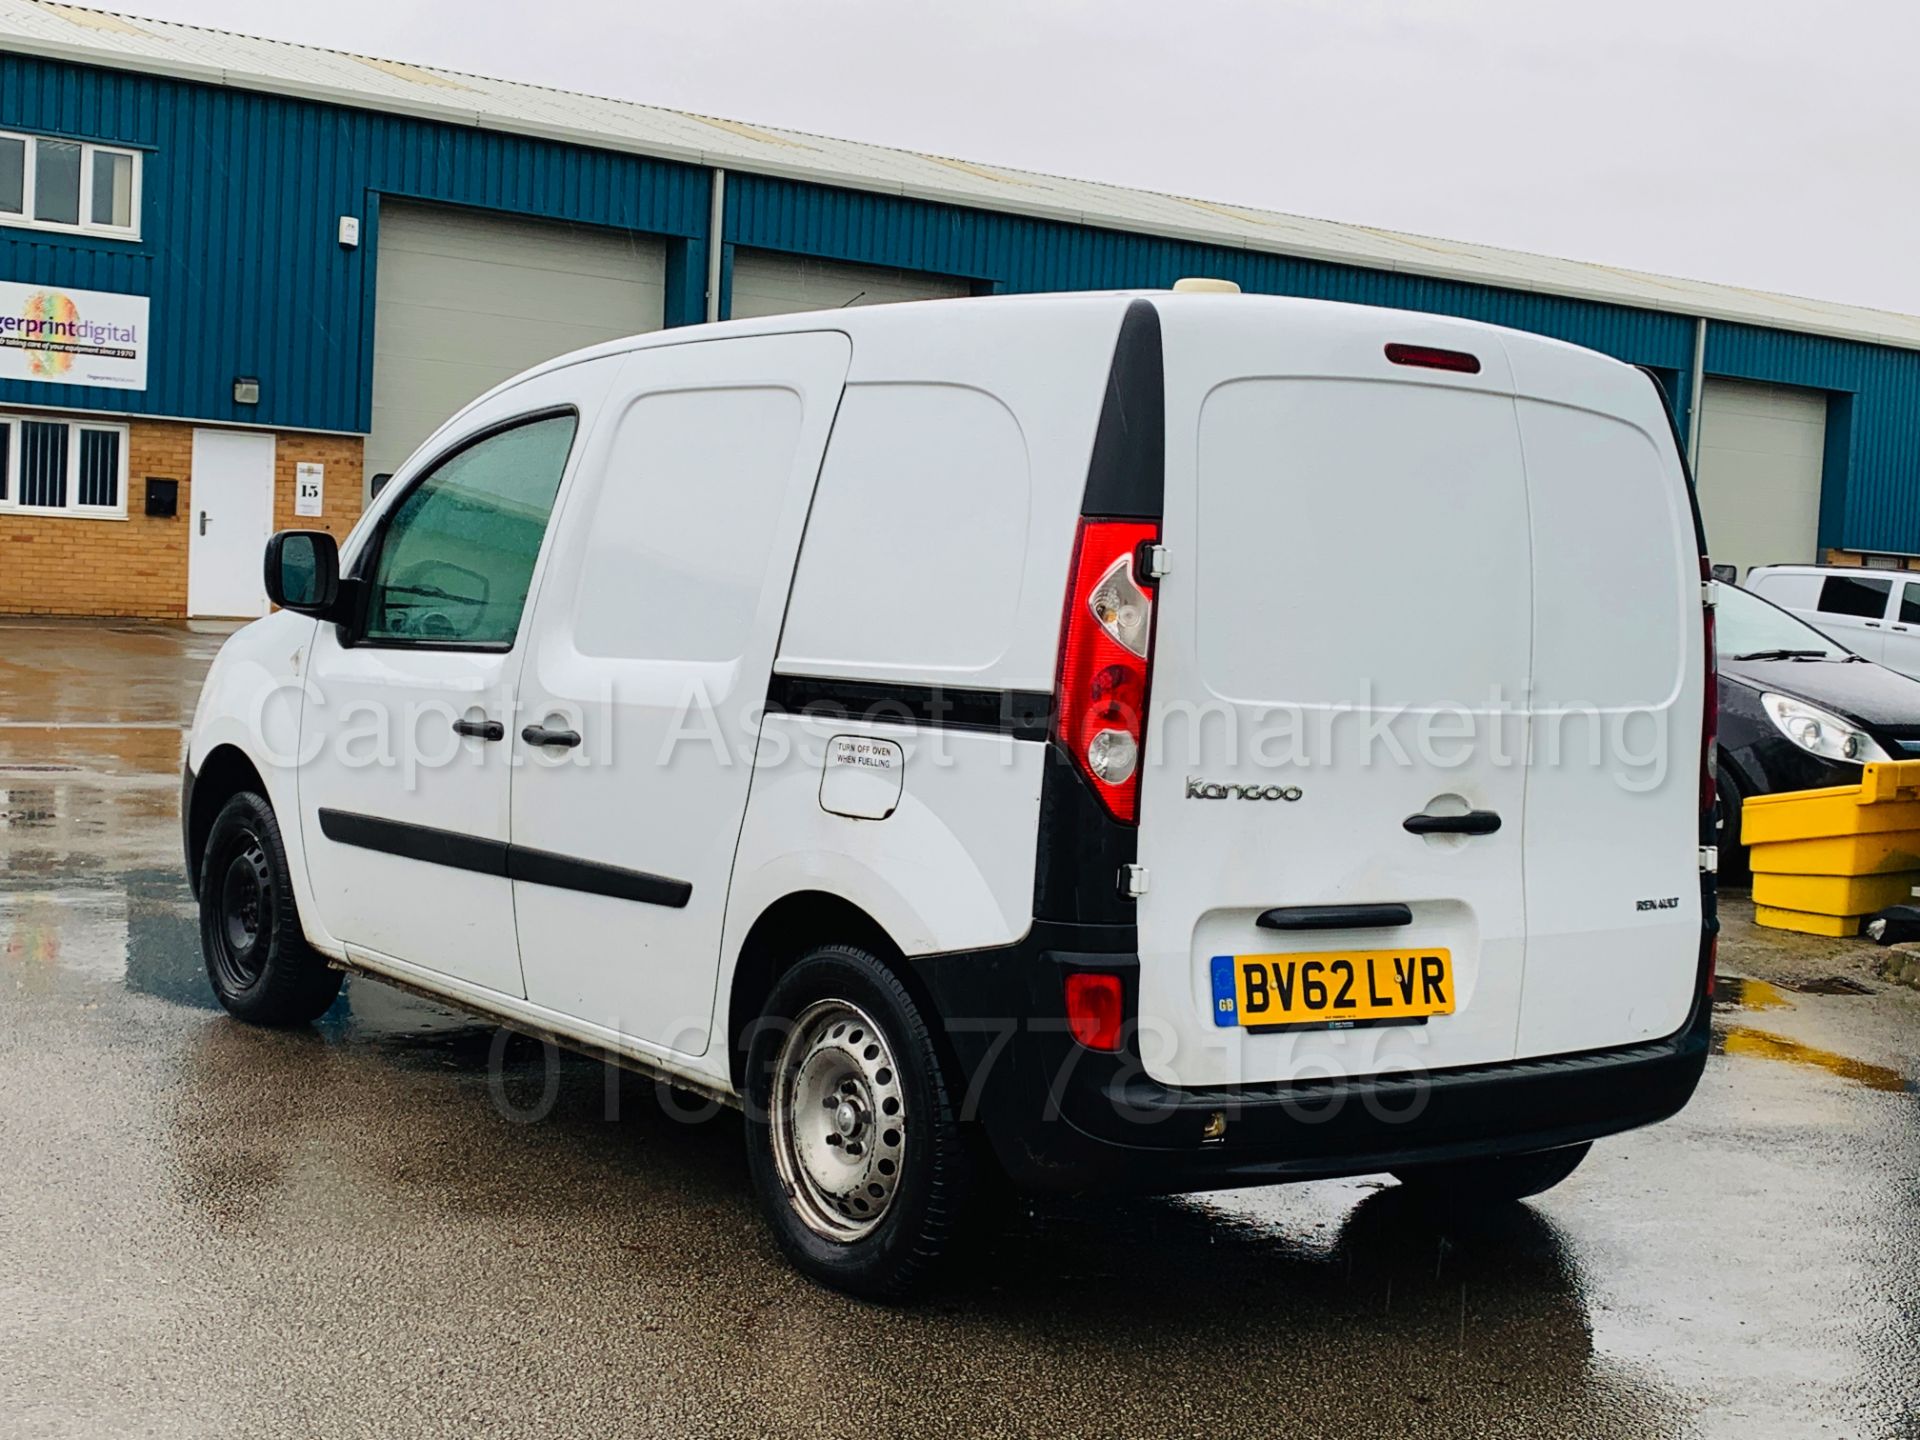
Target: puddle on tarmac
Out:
[145,933]
[415,1030]
[1831,985]
[1736,992]
[1758,1044]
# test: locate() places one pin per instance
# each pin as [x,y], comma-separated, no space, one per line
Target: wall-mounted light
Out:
[246,390]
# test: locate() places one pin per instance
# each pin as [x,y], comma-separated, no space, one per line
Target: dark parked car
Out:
[1798,710]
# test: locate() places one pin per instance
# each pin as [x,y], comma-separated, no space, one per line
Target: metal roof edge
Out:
[257,82]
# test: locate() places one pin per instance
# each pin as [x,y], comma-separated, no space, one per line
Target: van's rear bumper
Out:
[1059,1117]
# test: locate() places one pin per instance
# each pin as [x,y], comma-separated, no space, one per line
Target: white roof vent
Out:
[1204,285]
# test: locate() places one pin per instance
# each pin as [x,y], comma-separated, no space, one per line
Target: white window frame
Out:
[88,149]
[73,509]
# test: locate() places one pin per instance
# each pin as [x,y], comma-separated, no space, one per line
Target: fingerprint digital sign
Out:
[56,335]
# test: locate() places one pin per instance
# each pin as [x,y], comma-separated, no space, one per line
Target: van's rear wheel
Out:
[851,1137]
[1496,1181]
[260,964]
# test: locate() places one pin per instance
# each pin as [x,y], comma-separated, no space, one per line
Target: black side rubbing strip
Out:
[538,867]
[415,842]
[494,857]
[1126,479]
[1021,714]
[1335,917]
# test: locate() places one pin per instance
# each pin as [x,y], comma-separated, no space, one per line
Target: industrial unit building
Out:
[239,279]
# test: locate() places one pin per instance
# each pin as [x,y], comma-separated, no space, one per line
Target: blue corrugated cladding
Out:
[239,255]
[1015,254]
[239,251]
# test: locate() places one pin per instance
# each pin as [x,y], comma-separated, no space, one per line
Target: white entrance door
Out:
[231,518]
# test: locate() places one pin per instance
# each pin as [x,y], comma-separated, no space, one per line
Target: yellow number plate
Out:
[1335,987]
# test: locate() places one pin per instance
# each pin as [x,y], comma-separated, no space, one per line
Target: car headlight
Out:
[1820,732]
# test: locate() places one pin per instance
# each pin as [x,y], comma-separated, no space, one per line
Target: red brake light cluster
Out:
[1106,644]
[1094,1010]
[1429,358]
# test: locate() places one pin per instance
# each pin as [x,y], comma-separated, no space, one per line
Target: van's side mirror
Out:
[1726,574]
[303,572]
[377,484]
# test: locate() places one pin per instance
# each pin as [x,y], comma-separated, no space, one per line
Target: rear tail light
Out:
[1106,647]
[1094,1010]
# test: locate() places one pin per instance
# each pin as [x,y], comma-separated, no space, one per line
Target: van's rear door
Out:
[1348,614]
[1619,678]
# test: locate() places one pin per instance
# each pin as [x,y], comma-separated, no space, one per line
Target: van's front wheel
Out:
[851,1137]
[259,962]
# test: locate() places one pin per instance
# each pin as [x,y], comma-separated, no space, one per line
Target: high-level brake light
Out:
[1428,357]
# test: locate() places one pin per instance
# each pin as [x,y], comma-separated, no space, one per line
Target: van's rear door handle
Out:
[540,735]
[480,729]
[1474,822]
[1335,917]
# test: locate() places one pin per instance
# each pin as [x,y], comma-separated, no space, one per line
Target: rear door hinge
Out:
[1158,561]
[1709,859]
[1706,593]
[1133,881]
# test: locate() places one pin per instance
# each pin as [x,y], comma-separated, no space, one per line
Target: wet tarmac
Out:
[403,1223]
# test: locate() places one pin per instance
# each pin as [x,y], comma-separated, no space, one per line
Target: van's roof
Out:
[1027,311]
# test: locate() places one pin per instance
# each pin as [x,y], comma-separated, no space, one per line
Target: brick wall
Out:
[57,565]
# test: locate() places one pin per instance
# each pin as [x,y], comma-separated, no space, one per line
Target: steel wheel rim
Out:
[839,1121]
[244,920]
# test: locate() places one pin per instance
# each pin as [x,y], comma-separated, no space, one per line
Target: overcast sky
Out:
[1767,143]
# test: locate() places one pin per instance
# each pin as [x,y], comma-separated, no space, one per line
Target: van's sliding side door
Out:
[646,674]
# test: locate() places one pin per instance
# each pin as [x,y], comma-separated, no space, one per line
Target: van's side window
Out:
[457,557]
[1910,604]
[1845,595]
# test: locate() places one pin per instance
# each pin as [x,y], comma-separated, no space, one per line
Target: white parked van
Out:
[1151,741]
[1875,613]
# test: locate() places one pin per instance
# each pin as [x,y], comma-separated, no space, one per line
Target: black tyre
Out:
[1734,869]
[259,962]
[1501,1180]
[852,1141]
